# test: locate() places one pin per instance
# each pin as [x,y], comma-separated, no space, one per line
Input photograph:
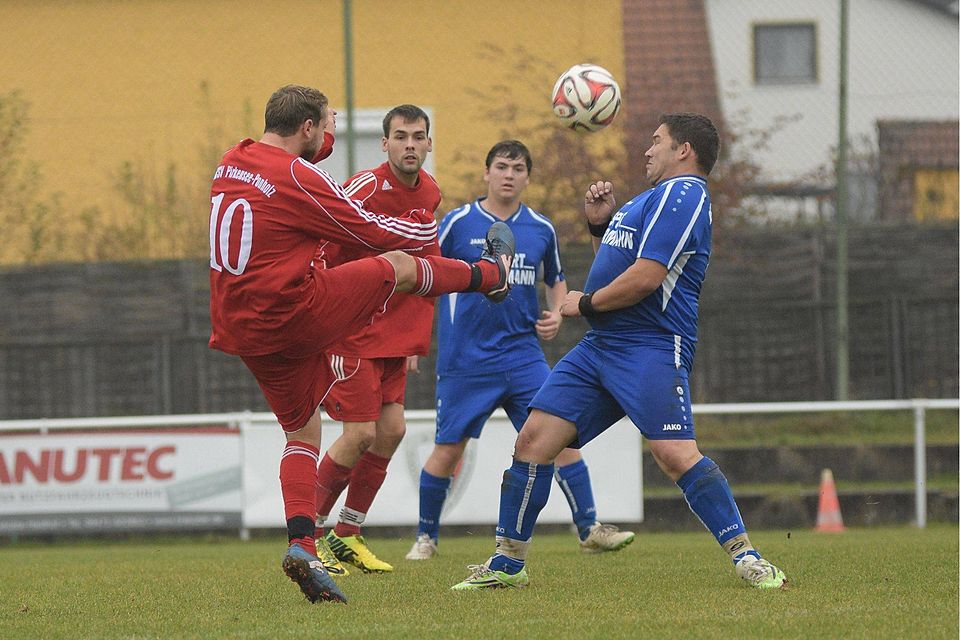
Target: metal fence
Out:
[258,432]
[130,339]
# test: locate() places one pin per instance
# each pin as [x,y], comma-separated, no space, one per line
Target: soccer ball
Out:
[586,97]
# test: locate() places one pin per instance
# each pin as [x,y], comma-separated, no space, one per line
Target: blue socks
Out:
[523,494]
[708,494]
[574,480]
[433,493]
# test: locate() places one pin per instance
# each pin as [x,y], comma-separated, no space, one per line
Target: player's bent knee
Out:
[444,459]
[543,437]
[391,431]
[568,456]
[404,267]
[675,457]
[360,434]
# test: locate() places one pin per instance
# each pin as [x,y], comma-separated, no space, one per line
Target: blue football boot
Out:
[307,571]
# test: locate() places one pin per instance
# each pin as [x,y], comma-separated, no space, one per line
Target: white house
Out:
[777,70]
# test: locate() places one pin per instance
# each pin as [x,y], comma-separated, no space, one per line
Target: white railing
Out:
[425,419]
[918,406]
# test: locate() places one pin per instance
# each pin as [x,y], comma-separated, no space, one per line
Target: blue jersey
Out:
[670,223]
[474,335]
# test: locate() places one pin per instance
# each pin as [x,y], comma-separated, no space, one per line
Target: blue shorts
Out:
[465,402]
[595,385]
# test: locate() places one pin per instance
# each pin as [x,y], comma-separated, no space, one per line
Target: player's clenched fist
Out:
[548,325]
[570,307]
[599,202]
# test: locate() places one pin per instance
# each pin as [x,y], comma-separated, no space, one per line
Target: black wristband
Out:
[585,305]
[597,230]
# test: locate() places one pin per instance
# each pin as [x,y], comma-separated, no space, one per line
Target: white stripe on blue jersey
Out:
[686,233]
[656,216]
[671,280]
[556,246]
[449,220]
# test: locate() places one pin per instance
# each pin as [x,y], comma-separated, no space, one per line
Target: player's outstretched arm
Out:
[630,287]
[336,217]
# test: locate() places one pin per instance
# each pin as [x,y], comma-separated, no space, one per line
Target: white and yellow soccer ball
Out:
[586,97]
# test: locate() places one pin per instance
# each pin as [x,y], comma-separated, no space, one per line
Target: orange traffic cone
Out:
[828,513]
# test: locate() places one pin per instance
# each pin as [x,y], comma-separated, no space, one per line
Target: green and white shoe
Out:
[483,577]
[760,574]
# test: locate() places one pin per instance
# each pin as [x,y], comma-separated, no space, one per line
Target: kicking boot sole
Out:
[501,247]
[299,571]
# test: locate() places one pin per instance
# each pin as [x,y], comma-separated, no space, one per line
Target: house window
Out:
[785,53]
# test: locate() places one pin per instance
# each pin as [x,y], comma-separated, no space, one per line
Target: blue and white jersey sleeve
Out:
[444,237]
[667,232]
[552,269]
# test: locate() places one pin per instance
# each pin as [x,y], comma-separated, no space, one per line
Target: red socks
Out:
[365,482]
[298,483]
[437,275]
[332,479]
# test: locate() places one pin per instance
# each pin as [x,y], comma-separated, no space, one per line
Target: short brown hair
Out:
[699,131]
[511,150]
[291,106]
[410,114]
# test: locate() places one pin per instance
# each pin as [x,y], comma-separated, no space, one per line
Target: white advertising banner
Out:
[613,459]
[122,480]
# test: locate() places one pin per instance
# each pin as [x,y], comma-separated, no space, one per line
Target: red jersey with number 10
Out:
[270,210]
[405,328]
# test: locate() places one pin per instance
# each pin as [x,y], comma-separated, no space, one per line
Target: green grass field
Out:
[864,583]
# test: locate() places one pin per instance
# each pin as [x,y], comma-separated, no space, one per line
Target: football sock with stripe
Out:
[708,493]
[433,493]
[365,481]
[298,484]
[332,479]
[574,481]
[523,494]
[437,275]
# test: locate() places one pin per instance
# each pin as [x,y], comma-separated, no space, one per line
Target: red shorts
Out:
[296,380]
[377,381]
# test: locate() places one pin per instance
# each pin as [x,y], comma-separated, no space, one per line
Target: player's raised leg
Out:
[432,276]
[523,494]
[707,491]
[573,477]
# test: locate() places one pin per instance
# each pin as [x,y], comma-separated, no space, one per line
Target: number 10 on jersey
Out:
[220,240]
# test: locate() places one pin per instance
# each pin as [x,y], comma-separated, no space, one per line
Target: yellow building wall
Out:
[936,194]
[114,81]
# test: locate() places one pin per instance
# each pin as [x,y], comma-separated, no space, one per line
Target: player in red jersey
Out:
[375,361]
[277,309]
